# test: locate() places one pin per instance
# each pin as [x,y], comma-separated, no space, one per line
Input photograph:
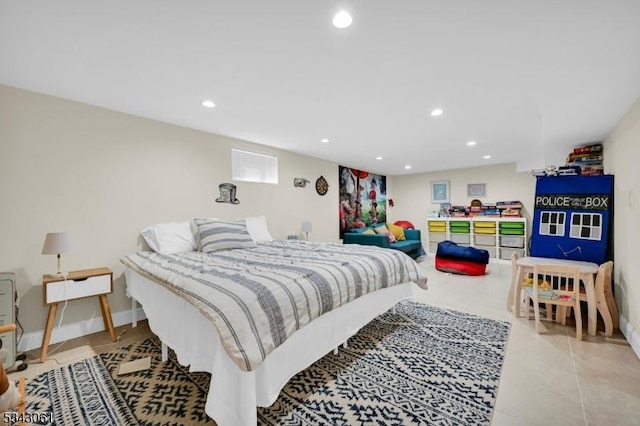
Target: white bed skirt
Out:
[234,394]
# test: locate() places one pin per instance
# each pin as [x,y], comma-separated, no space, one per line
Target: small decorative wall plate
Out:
[322,186]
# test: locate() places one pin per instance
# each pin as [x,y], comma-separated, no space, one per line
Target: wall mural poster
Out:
[363,199]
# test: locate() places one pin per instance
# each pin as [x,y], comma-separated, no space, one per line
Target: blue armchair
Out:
[412,246]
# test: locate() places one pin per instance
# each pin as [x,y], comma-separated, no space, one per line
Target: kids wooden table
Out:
[596,298]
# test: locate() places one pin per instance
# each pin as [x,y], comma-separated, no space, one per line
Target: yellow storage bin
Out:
[484,225]
[491,231]
[437,222]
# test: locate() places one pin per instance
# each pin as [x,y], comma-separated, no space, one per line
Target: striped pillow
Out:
[214,235]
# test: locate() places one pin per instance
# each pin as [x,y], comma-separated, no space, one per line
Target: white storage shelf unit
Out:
[499,236]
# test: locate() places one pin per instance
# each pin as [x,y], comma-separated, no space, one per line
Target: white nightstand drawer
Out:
[75,289]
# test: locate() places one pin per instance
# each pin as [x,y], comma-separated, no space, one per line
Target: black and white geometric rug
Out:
[90,392]
[421,365]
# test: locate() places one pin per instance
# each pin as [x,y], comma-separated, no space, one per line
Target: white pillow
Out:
[168,238]
[257,227]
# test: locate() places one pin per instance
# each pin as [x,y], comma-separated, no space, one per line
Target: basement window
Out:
[249,166]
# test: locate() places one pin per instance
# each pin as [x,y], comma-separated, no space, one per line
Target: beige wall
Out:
[621,153]
[103,176]
[412,193]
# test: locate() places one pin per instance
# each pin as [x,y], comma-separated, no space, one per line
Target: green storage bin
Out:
[511,225]
[460,225]
[460,231]
[507,231]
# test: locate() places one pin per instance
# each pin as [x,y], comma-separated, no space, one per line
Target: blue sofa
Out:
[412,246]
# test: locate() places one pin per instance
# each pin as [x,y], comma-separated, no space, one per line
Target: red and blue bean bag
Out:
[450,257]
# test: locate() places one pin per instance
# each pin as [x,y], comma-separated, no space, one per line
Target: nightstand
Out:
[78,285]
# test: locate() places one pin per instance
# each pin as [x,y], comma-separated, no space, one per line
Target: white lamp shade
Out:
[306,226]
[56,243]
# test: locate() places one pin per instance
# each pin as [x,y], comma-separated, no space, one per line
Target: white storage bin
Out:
[491,250]
[484,240]
[460,238]
[436,237]
[515,241]
[505,253]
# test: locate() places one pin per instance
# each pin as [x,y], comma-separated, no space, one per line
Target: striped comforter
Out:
[258,297]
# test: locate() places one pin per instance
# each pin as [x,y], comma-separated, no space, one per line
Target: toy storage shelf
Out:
[500,236]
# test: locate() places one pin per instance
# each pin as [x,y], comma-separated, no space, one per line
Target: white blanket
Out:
[256,298]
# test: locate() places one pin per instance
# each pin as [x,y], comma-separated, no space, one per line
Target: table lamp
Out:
[306,228]
[57,243]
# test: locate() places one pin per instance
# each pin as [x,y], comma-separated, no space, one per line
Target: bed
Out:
[254,317]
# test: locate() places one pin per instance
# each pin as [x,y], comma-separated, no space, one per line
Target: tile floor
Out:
[547,379]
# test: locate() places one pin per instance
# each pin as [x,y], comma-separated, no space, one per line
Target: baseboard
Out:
[33,340]
[632,335]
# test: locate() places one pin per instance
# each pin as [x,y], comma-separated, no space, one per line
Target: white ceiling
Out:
[526,79]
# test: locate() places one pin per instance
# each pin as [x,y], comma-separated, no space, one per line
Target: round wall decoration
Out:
[322,186]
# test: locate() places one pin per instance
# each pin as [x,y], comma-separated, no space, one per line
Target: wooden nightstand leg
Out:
[106,316]
[53,309]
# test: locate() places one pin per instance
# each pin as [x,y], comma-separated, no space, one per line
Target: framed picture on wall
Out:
[440,192]
[476,190]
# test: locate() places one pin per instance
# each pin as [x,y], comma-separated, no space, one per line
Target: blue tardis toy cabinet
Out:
[572,217]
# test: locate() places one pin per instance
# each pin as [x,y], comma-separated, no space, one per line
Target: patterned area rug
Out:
[90,392]
[421,365]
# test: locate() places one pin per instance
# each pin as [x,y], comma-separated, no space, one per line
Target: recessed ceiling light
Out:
[207,103]
[471,143]
[486,157]
[325,140]
[436,112]
[342,19]
[407,167]
[378,158]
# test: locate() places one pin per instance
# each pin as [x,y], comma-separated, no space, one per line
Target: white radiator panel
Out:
[7,316]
